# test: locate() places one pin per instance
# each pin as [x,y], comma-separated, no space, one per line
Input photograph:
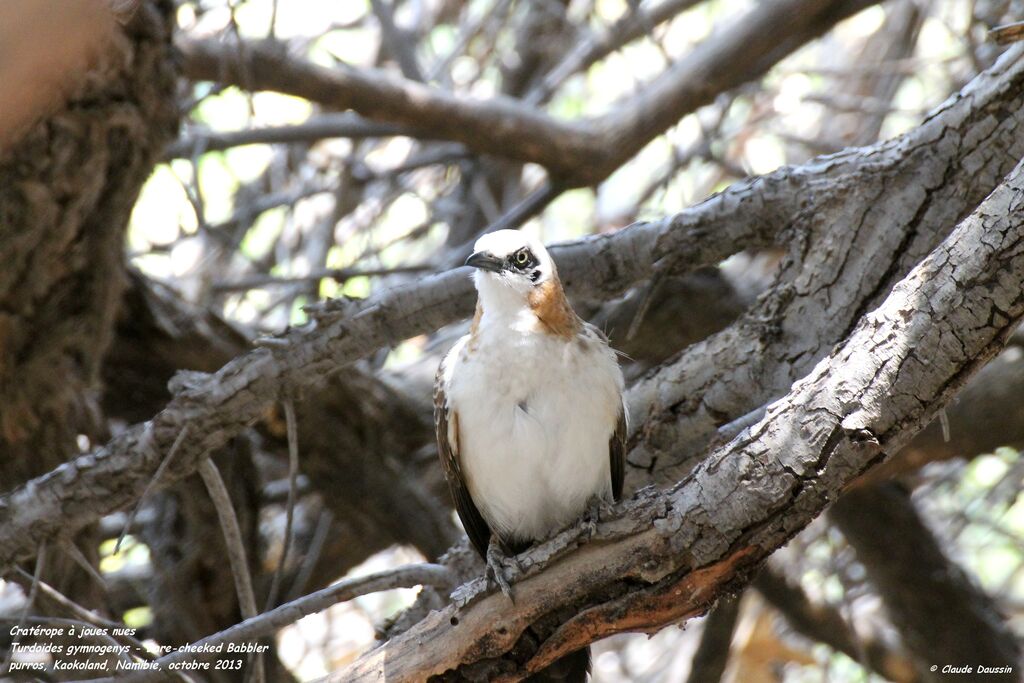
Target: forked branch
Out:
[669,556]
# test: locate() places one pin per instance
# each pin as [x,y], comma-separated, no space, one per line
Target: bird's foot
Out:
[502,567]
[596,509]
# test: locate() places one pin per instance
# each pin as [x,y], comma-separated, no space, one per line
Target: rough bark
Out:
[668,556]
[68,182]
[895,40]
[968,141]
[852,238]
[350,445]
[966,144]
[50,47]
[218,406]
[66,191]
[349,448]
[942,616]
[360,440]
[987,414]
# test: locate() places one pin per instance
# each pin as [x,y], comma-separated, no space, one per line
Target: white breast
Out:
[536,413]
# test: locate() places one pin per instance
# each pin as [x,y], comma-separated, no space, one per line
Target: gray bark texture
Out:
[900,277]
[902,197]
[356,433]
[858,222]
[667,556]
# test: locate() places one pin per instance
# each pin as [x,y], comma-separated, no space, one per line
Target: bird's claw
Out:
[500,565]
[596,509]
[588,526]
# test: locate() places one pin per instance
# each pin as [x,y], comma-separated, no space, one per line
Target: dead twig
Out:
[236,549]
[1007,33]
[293,474]
[268,623]
[149,487]
[29,601]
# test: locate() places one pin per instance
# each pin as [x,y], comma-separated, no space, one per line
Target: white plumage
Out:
[536,406]
[536,413]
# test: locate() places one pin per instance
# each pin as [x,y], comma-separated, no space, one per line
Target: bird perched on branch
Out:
[528,410]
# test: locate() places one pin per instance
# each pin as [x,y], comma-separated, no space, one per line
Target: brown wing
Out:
[446,424]
[617,444]
[617,455]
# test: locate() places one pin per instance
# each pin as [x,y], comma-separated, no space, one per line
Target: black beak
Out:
[485,260]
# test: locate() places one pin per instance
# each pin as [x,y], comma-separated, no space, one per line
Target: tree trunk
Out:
[66,192]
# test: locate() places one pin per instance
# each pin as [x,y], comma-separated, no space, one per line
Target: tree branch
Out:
[632,25]
[942,617]
[666,557]
[712,655]
[317,127]
[219,405]
[347,437]
[846,249]
[971,138]
[579,153]
[823,624]
[267,624]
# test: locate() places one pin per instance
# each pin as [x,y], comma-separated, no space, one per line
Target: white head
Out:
[509,266]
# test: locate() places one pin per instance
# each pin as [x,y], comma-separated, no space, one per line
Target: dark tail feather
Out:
[572,668]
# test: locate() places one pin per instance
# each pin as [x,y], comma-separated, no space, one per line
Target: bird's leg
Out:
[597,508]
[500,565]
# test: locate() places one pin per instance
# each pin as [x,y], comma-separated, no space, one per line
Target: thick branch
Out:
[823,624]
[863,233]
[68,181]
[218,406]
[670,555]
[499,124]
[580,152]
[71,208]
[712,655]
[941,615]
[750,214]
[351,451]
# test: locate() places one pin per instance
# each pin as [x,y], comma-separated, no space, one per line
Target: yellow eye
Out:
[521,257]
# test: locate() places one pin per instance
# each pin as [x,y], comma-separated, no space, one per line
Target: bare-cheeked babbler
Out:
[529,415]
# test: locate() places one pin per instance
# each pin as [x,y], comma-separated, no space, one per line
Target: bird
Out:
[529,414]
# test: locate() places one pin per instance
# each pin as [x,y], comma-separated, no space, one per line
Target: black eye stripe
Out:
[522,260]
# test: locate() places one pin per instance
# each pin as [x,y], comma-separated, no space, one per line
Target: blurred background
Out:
[265,203]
